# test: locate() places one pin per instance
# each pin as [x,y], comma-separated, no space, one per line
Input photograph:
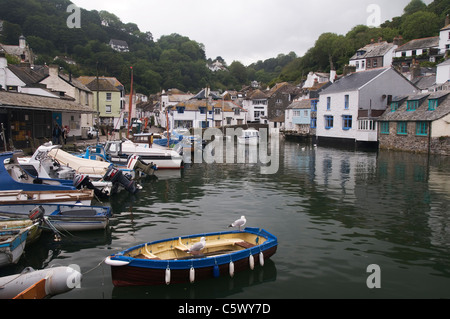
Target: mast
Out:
[131,104]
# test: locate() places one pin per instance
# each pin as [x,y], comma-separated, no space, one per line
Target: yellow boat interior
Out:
[178,249]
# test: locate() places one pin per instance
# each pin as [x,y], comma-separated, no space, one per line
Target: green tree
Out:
[420,24]
[415,6]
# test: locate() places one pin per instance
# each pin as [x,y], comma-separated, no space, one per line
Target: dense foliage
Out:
[175,61]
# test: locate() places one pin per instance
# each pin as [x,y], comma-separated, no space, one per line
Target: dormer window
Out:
[433,104]
[180,109]
[412,105]
[394,106]
[202,110]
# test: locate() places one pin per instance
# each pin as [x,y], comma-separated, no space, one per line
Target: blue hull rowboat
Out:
[169,261]
[64,217]
[12,244]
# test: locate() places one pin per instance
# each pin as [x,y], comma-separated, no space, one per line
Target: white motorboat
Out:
[120,151]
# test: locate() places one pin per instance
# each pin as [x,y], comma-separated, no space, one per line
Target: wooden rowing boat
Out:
[169,261]
[12,245]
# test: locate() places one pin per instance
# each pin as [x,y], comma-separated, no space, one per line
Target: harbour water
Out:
[334,211]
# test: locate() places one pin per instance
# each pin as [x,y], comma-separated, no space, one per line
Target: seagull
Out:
[239,223]
[197,247]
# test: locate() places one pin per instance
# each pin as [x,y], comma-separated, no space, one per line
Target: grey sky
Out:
[247,30]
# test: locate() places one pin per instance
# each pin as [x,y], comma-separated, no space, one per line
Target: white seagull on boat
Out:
[197,247]
[239,223]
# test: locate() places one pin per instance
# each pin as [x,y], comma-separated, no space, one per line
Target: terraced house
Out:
[417,123]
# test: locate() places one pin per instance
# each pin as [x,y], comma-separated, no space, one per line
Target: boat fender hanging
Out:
[231,269]
[192,275]
[261,258]
[251,261]
[216,271]
[167,275]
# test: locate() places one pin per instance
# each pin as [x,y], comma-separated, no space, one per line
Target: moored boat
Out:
[174,260]
[14,223]
[53,281]
[74,197]
[12,245]
[249,137]
[63,217]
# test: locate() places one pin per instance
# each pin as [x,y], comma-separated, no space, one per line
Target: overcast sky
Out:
[248,30]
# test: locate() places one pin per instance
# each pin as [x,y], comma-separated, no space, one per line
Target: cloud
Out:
[247,30]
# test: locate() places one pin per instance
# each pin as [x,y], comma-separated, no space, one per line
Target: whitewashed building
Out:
[256,104]
[348,109]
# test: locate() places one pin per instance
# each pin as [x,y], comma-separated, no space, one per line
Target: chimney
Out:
[447,20]
[53,70]
[22,42]
[332,75]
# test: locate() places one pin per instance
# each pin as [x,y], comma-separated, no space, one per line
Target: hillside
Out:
[175,61]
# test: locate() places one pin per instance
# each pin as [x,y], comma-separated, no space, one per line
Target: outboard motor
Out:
[83,181]
[115,175]
[37,214]
[135,163]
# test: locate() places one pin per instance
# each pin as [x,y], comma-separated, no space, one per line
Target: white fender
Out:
[192,275]
[116,263]
[231,269]
[167,276]
[251,261]
[261,258]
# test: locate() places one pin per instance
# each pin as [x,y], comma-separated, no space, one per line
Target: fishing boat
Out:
[50,162]
[14,177]
[63,217]
[249,137]
[175,261]
[71,197]
[12,245]
[163,158]
[38,284]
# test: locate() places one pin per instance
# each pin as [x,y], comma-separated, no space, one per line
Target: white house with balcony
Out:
[348,110]
[256,105]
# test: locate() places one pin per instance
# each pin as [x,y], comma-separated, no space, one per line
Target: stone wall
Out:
[413,143]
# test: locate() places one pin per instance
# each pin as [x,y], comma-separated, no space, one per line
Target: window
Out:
[347,122]
[328,103]
[108,96]
[385,128]
[329,122]
[108,108]
[422,128]
[433,104]
[237,111]
[375,63]
[314,105]
[180,110]
[217,111]
[313,122]
[347,100]
[402,128]
[394,106]
[357,64]
[202,110]
[412,105]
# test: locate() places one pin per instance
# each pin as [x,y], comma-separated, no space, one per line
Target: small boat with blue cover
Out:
[177,260]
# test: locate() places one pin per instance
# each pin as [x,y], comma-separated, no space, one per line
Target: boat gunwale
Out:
[196,262]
